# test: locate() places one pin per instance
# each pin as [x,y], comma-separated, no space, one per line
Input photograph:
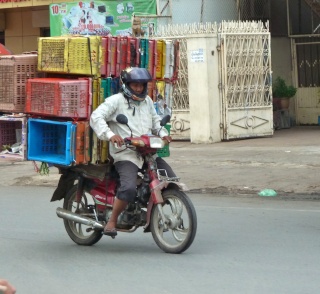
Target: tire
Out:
[76,231]
[179,210]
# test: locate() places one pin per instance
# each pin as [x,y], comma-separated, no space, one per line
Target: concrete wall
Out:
[20,35]
[189,11]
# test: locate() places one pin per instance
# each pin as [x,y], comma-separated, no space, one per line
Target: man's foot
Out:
[110,232]
[110,229]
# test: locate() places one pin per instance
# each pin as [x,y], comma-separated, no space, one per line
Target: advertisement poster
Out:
[101,18]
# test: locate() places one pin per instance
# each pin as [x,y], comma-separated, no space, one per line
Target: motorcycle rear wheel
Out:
[76,231]
[182,227]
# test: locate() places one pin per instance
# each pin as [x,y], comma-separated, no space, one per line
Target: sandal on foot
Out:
[110,232]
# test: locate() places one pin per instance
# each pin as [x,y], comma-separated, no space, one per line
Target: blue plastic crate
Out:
[51,141]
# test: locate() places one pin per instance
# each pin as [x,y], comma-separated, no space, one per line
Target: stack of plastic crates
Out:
[165,151]
[15,70]
[58,97]
[72,55]
[61,133]
[62,102]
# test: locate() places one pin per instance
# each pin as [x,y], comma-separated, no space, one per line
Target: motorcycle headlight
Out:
[156,142]
[137,143]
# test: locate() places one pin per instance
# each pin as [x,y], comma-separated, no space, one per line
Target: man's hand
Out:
[168,138]
[116,139]
[6,288]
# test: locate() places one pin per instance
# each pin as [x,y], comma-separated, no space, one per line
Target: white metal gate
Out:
[180,122]
[245,78]
[245,60]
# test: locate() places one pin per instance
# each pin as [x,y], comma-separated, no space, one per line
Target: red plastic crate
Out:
[104,50]
[112,56]
[152,90]
[58,97]
[133,52]
[15,70]
[122,48]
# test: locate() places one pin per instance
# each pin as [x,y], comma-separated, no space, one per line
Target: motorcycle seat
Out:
[93,170]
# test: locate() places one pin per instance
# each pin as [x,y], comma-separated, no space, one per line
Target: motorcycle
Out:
[160,207]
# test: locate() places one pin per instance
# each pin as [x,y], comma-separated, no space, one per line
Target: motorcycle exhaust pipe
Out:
[66,214]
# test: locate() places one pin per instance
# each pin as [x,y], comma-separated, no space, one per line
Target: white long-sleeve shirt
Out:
[144,121]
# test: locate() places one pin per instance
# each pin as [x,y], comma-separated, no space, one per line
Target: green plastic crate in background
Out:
[165,152]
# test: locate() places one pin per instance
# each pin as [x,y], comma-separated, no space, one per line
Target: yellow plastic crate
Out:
[73,55]
[95,94]
[99,150]
[160,65]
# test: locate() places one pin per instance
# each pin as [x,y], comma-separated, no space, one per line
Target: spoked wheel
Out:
[178,234]
[76,231]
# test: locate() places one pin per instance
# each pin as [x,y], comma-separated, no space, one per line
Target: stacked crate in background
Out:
[13,137]
[15,70]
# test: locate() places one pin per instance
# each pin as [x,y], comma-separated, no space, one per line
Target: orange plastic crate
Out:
[15,70]
[58,97]
[82,155]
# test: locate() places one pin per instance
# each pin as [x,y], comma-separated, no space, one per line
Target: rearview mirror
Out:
[122,119]
[165,120]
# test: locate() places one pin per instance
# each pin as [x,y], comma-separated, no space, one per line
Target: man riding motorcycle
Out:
[133,102]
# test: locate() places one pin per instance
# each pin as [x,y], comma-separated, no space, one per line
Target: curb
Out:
[52,181]
[281,195]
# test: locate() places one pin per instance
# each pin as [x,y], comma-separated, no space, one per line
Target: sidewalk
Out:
[288,162]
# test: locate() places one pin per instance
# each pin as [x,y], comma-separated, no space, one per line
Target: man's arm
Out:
[99,118]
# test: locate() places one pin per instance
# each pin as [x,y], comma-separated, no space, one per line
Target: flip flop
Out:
[110,232]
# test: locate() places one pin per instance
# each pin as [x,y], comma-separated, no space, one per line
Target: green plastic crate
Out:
[165,152]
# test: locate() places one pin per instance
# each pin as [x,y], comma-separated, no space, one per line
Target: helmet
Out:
[135,75]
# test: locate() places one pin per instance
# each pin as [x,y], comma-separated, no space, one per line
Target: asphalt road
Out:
[244,244]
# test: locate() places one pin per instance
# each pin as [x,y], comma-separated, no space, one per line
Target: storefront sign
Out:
[5,4]
[15,3]
[12,1]
[99,17]
[41,2]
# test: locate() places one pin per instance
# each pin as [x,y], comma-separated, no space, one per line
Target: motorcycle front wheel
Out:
[76,231]
[180,231]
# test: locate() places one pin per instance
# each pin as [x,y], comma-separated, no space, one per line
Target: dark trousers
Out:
[128,177]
